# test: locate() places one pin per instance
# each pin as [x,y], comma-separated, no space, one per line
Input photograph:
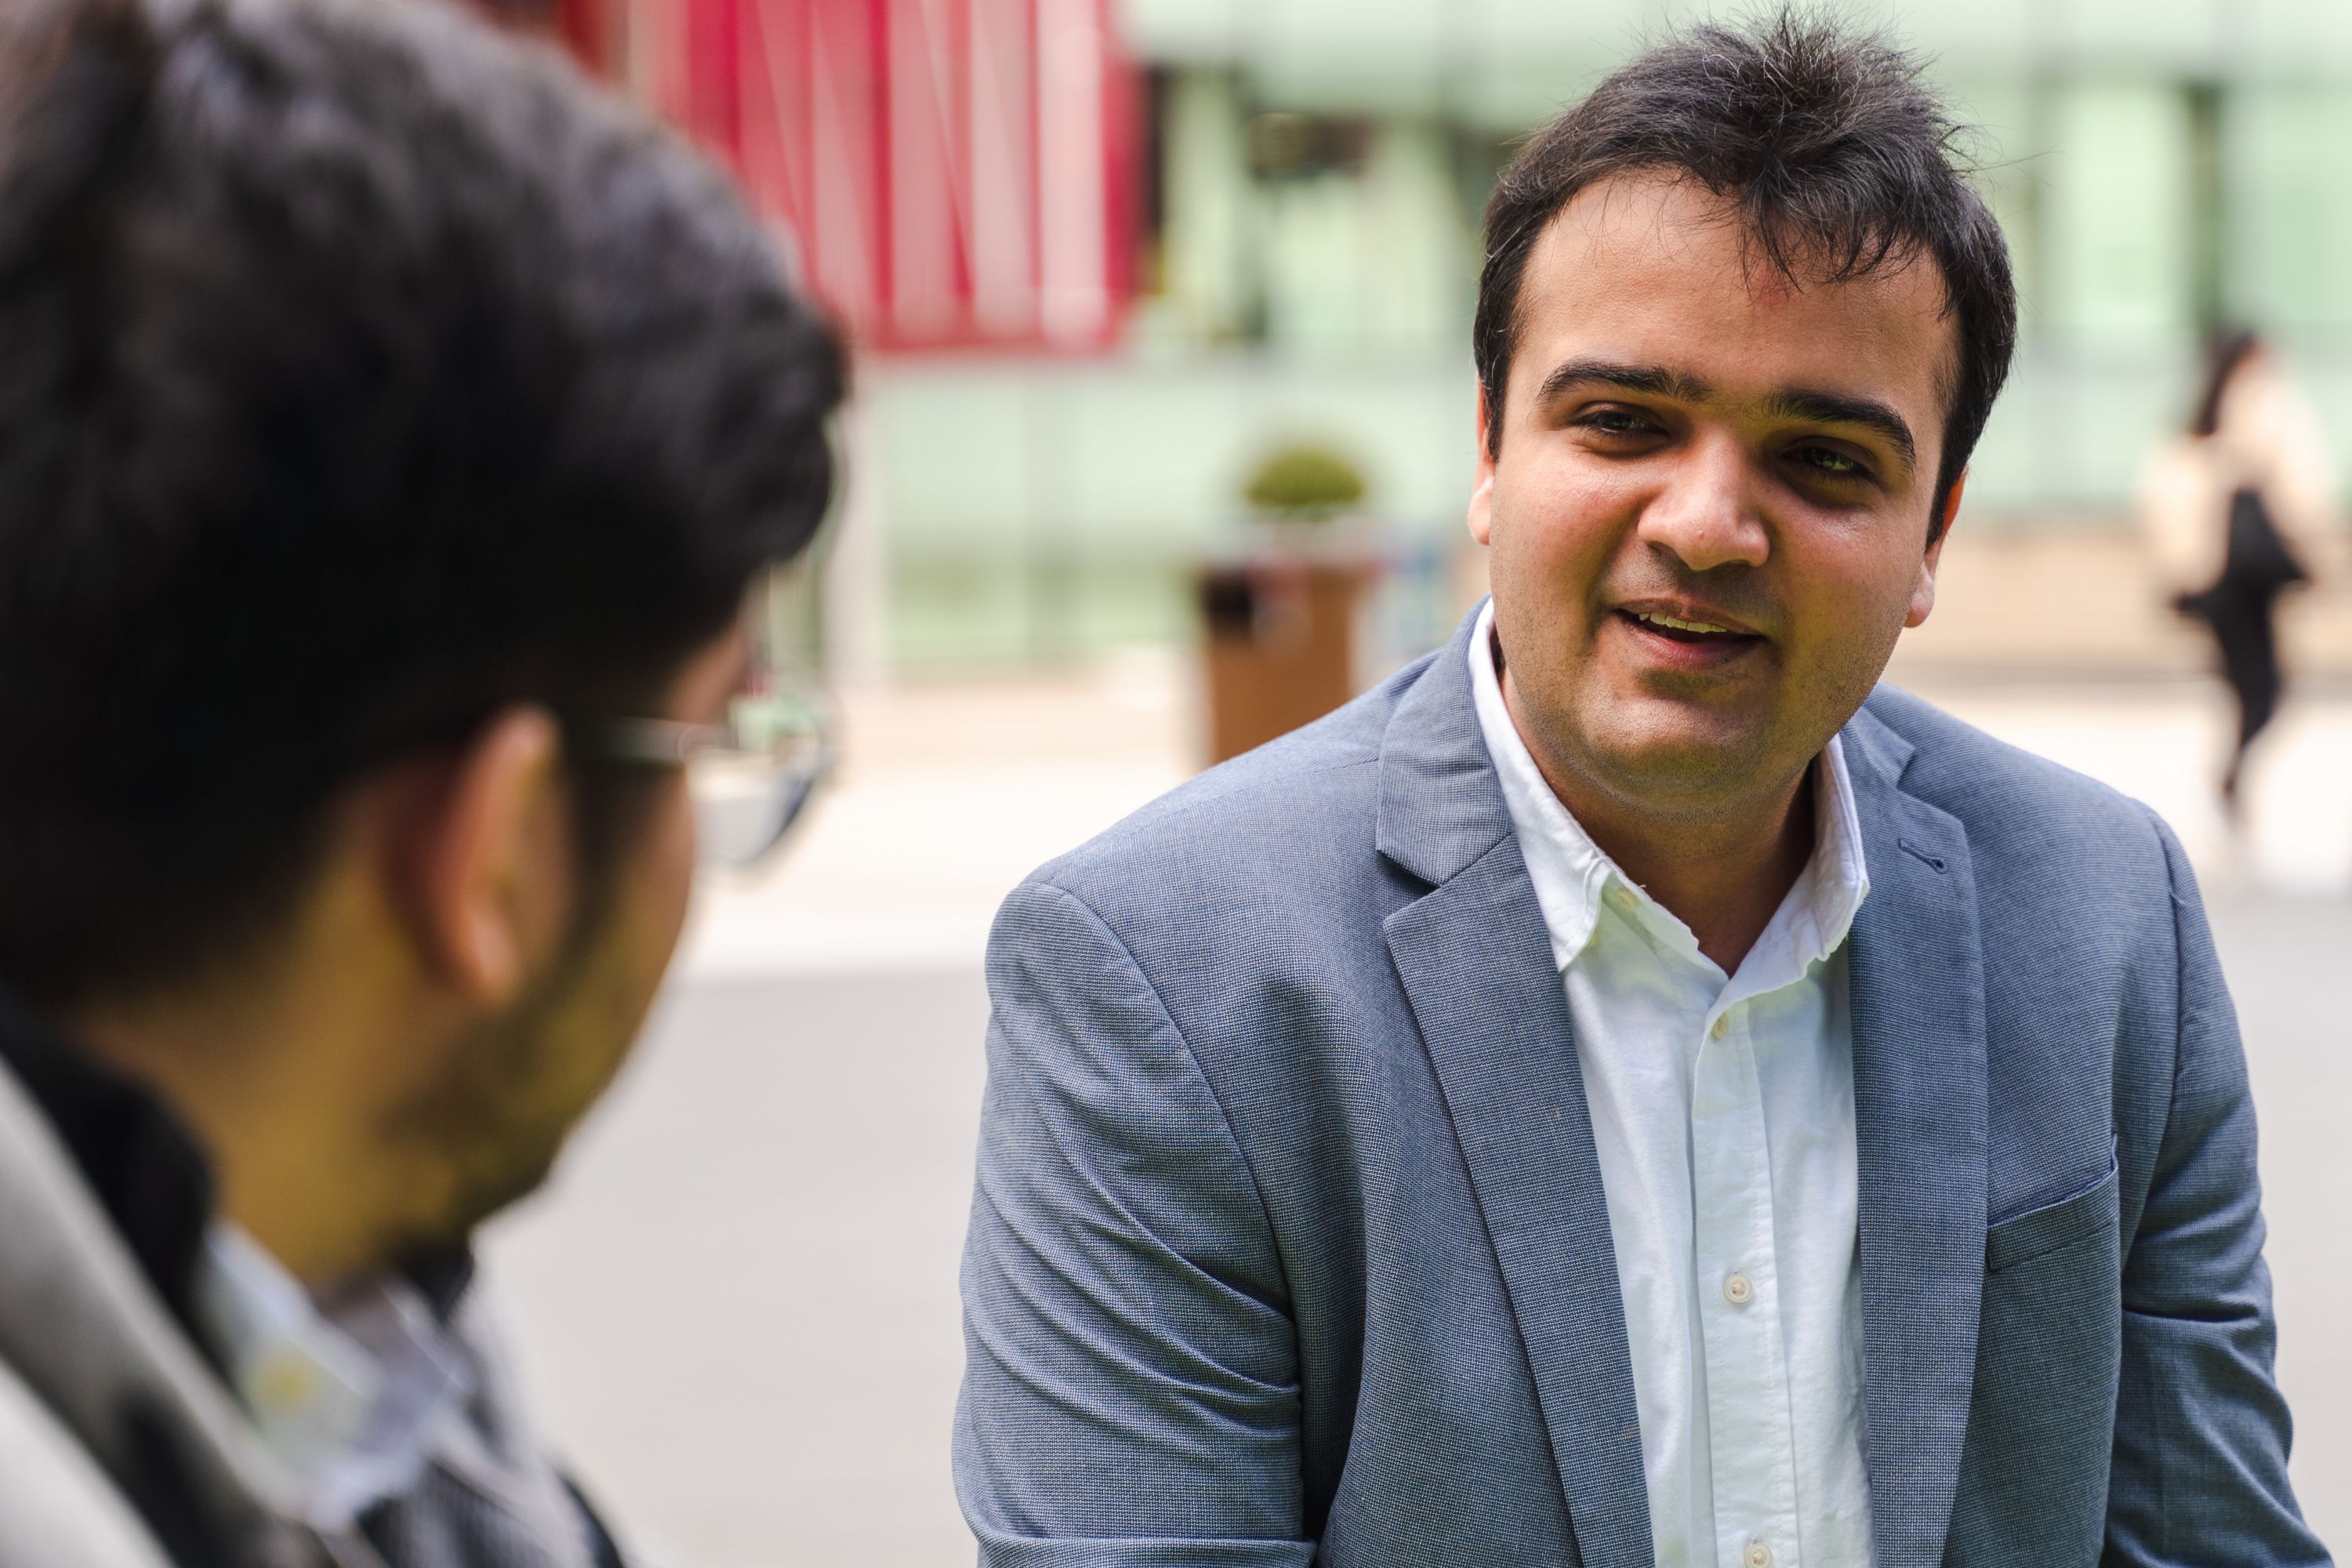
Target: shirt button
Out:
[1758,1555]
[1738,1290]
[1720,1025]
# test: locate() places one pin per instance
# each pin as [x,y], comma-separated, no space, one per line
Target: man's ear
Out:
[1923,592]
[1482,481]
[491,859]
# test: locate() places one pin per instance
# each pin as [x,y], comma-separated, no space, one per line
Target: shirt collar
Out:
[351,1394]
[1572,874]
[1841,871]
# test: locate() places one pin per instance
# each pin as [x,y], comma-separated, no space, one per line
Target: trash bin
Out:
[1281,635]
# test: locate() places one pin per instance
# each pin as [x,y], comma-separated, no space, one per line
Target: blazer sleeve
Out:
[1130,1392]
[2201,1431]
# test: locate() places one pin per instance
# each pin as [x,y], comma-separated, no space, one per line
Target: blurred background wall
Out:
[1244,221]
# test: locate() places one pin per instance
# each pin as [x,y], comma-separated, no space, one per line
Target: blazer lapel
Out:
[1476,966]
[1917,986]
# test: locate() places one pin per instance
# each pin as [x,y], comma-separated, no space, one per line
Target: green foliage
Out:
[1304,481]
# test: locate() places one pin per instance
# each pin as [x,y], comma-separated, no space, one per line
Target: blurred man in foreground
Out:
[390,435]
[1627,1091]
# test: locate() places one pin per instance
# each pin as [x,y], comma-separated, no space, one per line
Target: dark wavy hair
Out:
[1841,160]
[2226,353]
[361,372]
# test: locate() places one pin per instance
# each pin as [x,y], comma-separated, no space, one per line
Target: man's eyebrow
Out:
[1834,409]
[1790,403]
[1651,380]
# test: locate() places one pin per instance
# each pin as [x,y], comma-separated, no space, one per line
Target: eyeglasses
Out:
[750,776]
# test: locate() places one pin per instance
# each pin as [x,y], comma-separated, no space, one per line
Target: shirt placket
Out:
[1738,1298]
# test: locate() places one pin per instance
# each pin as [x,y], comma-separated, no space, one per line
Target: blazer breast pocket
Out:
[2022,1238]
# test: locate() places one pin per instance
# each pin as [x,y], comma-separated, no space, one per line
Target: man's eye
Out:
[1617,421]
[1830,463]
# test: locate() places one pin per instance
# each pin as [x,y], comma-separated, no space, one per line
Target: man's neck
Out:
[1724,883]
[1723,874]
[282,1136]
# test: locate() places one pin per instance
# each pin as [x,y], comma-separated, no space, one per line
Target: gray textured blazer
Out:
[1288,1244]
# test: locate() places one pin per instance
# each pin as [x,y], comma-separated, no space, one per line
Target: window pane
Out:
[2118,255]
[2291,237]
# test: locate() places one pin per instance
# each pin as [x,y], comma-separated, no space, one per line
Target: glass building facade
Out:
[1316,170]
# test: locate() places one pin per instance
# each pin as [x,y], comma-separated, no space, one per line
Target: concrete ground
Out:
[737,1302]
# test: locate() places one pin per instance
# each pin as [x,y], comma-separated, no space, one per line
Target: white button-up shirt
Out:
[1723,1113]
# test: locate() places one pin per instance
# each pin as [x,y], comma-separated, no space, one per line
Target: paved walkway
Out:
[738,1301]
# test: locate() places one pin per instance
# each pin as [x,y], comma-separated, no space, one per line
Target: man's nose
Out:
[1705,513]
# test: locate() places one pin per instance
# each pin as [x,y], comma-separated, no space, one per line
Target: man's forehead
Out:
[1660,270]
[1670,211]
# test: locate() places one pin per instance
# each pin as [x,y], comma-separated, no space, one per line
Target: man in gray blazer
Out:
[1627,1091]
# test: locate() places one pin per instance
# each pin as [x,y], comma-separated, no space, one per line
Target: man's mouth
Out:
[1676,629]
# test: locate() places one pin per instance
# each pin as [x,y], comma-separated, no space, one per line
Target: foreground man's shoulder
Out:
[56,1505]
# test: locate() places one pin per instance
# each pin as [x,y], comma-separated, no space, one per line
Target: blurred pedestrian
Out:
[393,437]
[2233,507]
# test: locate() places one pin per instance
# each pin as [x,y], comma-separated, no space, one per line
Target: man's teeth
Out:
[1671,624]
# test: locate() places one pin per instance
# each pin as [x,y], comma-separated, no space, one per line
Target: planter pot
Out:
[1280,648]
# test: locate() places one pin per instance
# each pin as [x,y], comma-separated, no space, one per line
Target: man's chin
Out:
[495,1187]
[1678,756]
[475,1192]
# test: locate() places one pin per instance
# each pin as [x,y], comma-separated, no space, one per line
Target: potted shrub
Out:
[1281,620]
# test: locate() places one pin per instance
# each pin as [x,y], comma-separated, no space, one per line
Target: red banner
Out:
[950,173]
